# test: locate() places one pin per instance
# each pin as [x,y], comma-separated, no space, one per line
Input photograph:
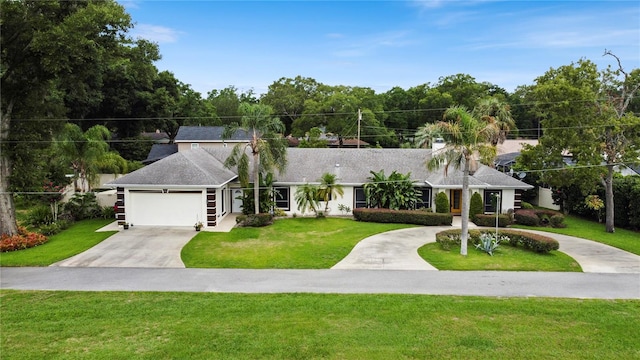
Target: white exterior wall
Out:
[545,200]
[508,200]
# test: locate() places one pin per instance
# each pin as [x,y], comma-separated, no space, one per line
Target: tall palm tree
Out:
[83,151]
[329,187]
[465,135]
[267,145]
[494,111]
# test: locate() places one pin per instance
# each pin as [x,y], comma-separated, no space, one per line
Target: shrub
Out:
[527,217]
[528,241]
[557,221]
[475,206]
[83,206]
[40,215]
[526,205]
[504,220]
[22,240]
[488,243]
[442,203]
[108,212]
[255,220]
[416,217]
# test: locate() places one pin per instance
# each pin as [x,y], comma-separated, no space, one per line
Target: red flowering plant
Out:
[22,240]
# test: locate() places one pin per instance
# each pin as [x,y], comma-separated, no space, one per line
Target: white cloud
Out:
[156,33]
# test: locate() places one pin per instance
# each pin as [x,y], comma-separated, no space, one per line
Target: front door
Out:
[236,195]
[456,201]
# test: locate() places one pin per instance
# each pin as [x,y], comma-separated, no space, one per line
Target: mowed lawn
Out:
[624,239]
[79,237]
[291,243]
[135,325]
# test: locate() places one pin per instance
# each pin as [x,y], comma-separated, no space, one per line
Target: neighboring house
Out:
[193,185]
[348,143]
[160,151]
[193,137]
[158,137]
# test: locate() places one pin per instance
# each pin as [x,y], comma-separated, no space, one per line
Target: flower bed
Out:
[23,240]
[533,242]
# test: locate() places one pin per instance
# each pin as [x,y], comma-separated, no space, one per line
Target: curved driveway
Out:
[398,250]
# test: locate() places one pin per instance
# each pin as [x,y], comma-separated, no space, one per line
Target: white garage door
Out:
[168,209]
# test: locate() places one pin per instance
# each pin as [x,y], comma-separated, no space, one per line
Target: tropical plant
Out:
[329,188]
[493,111]
[83,152]
[466,136]
[307,198]
[488,243]
[267,146]
[394,192]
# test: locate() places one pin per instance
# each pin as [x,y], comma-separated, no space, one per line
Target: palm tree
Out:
[268,146]
[329,188]
[465,135]
[494,111]
[83,151]
[307,198]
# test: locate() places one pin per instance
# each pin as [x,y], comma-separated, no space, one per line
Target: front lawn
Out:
[622,239]
[291,243]
[152,325]
[74,240]
[505,258]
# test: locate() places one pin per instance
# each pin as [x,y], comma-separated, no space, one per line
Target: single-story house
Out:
[193,185]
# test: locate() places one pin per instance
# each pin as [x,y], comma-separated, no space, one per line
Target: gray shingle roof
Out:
[160,151]
[353,167]
[187,168]
[207,133]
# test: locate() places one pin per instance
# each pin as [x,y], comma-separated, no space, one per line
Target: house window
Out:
[359,199]
[195,145]
[281,197]
[425,199]
[490,200]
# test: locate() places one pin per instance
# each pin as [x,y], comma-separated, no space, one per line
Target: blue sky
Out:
[381,44]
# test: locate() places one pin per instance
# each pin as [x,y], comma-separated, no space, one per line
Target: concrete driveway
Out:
[139,246]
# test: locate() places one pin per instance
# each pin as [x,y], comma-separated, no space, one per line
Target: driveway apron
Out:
[139,246]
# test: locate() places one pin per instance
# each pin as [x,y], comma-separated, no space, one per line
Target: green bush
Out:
[442,203]
[533,242]
[416,217]
[108,212]
[40,215]
[557,221]
[83,206]
[255,220]
[526,205]
[54,228]
[504,220]
[475,206]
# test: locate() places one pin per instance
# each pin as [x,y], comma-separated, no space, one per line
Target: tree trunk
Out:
[465,209]
[256,182]
[8,223]
[608,186]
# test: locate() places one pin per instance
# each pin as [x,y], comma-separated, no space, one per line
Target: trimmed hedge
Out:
[528,241]
[254,220]
[539,217]
[417,217]
[475,206]
[504,220]
[442,203]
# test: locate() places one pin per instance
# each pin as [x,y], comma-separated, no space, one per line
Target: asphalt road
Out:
[474,283]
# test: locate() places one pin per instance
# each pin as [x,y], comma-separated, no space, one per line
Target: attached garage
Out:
[165,207]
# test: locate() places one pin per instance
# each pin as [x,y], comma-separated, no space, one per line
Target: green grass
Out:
[622,239]
[505,258]
[74,240]
[136,325]
[292,243]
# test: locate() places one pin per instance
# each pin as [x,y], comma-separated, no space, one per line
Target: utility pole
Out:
[359,119]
